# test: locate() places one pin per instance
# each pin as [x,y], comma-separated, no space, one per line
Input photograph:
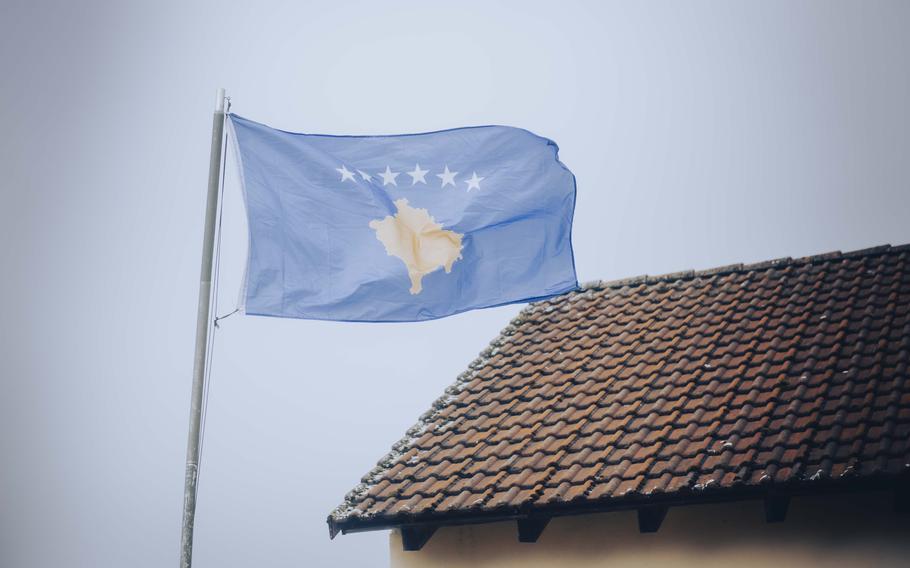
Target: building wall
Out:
[832,531]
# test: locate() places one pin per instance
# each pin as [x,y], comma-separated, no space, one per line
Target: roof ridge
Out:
[740,268]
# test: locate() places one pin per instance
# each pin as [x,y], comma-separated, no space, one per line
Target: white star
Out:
[365,176]
[388,177]
[345,174]
[447,177]
[474,182]
[417,175]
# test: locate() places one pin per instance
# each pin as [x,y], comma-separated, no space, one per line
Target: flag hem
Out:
[566,290]
[244,284]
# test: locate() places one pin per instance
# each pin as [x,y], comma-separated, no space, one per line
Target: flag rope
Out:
[225,316]
[213,324]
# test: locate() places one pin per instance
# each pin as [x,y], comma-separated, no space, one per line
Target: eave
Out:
[775,496]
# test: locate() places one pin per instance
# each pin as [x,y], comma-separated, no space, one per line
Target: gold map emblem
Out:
[415,238]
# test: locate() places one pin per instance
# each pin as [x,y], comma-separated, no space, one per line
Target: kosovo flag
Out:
[402,228]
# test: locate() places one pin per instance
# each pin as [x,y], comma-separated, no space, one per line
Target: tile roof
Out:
[686,387]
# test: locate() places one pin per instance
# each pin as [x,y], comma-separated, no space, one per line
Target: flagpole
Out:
[202,333]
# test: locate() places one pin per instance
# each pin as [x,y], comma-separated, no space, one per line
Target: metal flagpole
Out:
[202,333]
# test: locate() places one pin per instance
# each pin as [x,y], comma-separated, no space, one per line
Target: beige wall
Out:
[844,531]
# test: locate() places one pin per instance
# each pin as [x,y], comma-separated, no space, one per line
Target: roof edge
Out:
[740,268]
[688,497]
[343,511]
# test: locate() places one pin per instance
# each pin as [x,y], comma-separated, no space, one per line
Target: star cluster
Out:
[418,175]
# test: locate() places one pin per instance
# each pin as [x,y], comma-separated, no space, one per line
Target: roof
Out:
[787,375]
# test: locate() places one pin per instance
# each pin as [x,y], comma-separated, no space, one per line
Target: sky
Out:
[701,134]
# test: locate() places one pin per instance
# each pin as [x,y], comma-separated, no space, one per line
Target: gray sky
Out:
[701,134]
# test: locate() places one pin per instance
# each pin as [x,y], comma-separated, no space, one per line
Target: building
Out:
[748,415]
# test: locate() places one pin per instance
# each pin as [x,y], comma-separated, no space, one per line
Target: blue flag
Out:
[403,228]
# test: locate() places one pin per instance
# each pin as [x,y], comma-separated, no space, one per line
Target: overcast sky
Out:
[701,134]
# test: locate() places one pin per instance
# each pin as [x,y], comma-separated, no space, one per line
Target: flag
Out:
[405,227]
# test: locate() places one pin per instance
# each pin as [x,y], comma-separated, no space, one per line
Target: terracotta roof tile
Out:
[690,384]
